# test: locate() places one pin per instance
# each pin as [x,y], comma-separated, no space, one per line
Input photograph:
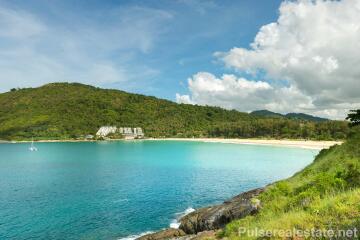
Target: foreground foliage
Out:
[354,117]
[63,110]
[325,195]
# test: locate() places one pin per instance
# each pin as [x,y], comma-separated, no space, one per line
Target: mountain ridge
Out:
[292,115]
[73,110]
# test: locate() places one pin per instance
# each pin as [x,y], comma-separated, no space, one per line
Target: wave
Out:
[133,237]
[175,222]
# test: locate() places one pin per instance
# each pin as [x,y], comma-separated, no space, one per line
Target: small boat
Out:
[32,147]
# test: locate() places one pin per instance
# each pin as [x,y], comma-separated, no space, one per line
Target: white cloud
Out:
[18,24]
[313,47]
[238,93]
[35,51]
[183,99]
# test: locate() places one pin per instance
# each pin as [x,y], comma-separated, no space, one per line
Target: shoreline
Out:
[307,144]
[178,233]
[209,215]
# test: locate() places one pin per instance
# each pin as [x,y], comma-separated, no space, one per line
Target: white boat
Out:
[32,147]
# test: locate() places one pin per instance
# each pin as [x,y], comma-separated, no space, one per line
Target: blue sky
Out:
[180,39]
[284,56]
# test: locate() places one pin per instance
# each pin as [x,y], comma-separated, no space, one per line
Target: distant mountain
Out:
[295,116]
[266,113]
[73,110]
[303,116]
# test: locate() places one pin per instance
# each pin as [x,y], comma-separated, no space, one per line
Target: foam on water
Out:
[133,237]
[175,222]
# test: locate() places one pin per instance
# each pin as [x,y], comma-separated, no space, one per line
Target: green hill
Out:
[325,195]
[72,110]
[266,113]
[297,116]
[303,116]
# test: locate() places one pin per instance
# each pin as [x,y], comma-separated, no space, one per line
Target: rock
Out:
[164,234]
[216,217]
[201,224]
[206,235]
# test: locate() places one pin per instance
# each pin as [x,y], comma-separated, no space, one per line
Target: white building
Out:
[139,132]
[106,130]
[127,132]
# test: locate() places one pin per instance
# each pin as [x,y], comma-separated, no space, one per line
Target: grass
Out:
[323,196]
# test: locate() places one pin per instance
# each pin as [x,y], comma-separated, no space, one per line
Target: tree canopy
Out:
[354,117]
[72,110]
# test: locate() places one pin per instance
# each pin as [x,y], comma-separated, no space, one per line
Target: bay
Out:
[113,190]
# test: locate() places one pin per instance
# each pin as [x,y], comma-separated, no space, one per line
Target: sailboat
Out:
[32,147]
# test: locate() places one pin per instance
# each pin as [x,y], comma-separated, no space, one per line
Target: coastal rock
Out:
[169,233]
[206,235]
[216,217]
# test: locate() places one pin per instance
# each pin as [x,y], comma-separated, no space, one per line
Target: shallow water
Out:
[110,190]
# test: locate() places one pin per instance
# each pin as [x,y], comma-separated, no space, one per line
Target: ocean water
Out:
[115,190]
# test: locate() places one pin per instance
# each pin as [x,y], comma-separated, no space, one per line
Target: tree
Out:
[13,89]
[354,117]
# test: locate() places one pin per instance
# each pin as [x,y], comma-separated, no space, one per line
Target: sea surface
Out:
[115,190]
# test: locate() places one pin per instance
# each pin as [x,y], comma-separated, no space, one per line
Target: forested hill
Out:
[299,116]
[72,110]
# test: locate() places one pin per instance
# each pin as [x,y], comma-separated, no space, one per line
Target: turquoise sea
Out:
[113,190]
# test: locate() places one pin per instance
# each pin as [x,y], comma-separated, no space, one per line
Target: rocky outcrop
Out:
[216,217]
[169,233]
[206,235]
[202,223]
[176,234]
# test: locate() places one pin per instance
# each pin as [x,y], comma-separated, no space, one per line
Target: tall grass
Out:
[323,196]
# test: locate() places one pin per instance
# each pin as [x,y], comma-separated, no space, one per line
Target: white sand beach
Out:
[309,144]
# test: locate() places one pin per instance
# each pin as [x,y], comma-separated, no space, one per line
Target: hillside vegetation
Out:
[299,116]
[64,110]
[325,195]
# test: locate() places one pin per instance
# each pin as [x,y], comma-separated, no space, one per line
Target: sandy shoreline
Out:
[309,144]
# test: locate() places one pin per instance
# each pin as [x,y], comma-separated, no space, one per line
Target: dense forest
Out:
[72,110]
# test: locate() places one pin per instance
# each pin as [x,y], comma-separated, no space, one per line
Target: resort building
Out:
[106,130]
[127,132]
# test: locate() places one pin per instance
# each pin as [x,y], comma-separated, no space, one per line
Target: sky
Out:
[284,56]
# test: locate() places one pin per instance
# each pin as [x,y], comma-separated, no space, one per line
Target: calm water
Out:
[113,190]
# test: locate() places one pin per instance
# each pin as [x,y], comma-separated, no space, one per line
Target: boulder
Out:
[164,234]
[216,217]
[206,235]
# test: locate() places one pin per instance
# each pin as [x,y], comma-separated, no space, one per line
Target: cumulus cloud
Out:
[185,99]
[313,48]
[238,93]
